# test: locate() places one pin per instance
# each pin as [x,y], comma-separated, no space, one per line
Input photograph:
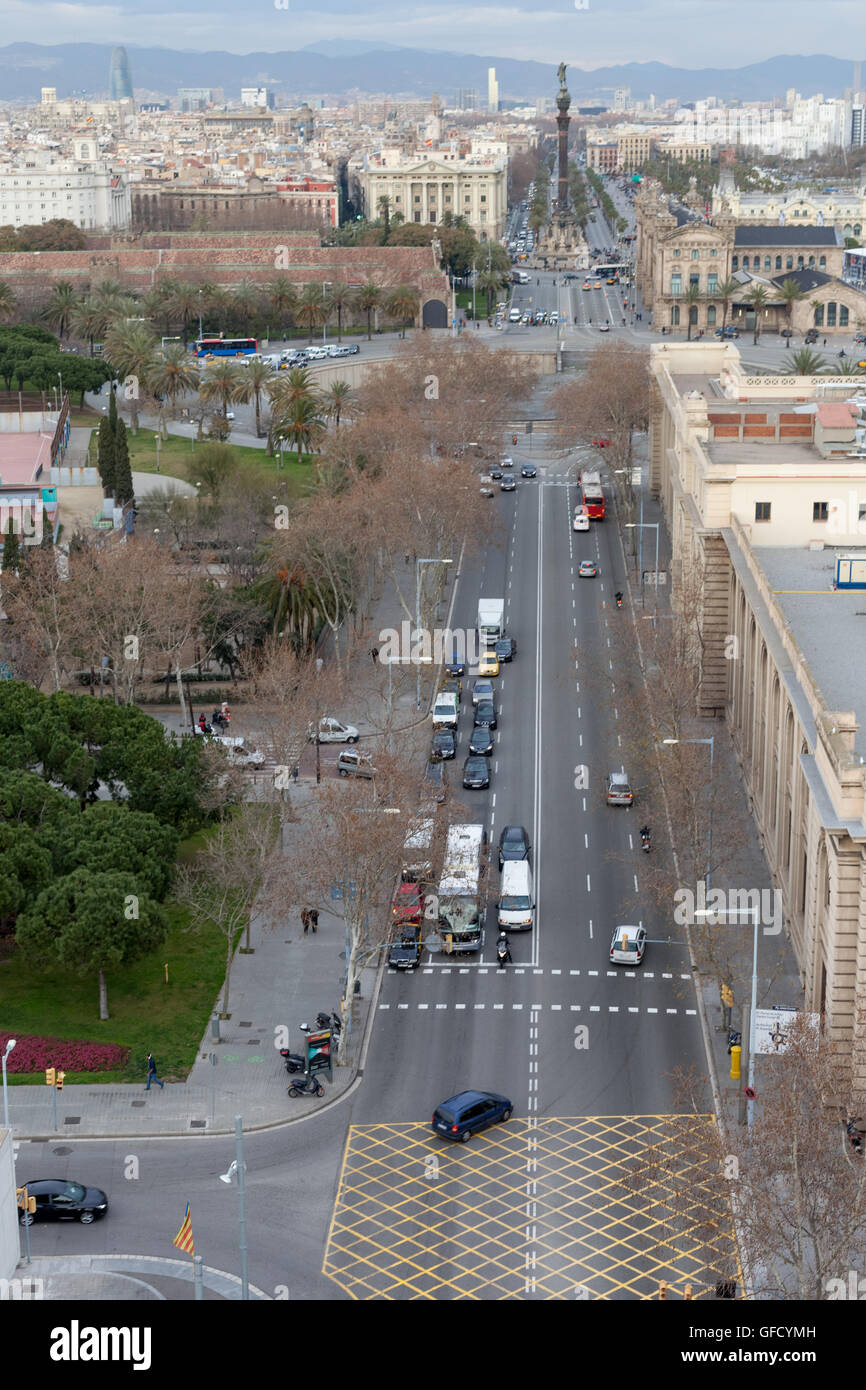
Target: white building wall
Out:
[9,1247]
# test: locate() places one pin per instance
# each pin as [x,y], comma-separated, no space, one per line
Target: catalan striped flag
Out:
[183,1240]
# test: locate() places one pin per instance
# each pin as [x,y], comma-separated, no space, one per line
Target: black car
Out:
[434,780]
[485,715]
[405,952]
[496,473]
[476,773]
[60,1200]
[513,844]
[444,744]
[506,649]
[455,667]
[508,483]
[528,471]
[481,742]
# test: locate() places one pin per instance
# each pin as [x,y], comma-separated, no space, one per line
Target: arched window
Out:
[735,263]
[800,264]
[789,263]
[847,230]
[843,315]
[745,263]
[675,315]
[778,262]
[831,314]
[811,262]
[693,314]
[711,316]
[822,262]
[819,316]
[767,263]
[857,229]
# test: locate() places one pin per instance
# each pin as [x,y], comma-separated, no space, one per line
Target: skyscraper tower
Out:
[119,79]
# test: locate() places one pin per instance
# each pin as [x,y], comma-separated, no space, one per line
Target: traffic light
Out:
[727,996]
[24,1200]
[60,1076]
[663,1291]
[49,1076]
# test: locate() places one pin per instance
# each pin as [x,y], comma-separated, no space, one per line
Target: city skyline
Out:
[585,33]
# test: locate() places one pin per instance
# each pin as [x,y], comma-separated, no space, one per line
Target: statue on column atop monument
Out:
[560,72]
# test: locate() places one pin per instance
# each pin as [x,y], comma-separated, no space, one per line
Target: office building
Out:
[425,186]
[85,190]
[492,90]
[119,78]
[257,96]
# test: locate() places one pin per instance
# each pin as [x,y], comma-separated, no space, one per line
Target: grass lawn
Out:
[146,1014]
[176,453]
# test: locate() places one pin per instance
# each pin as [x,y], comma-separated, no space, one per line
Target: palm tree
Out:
[725,291]
[757,296]
[87,319]
[288,387]
[158,304]
[402,304]
[383,206]
[174,373]
[183,302]
[130,348]
[341,297]
[368,298]
[846,366]
[247,303]
[223,381]
[259,376]
[311,309]
[59,308]
[489,282]
[804,362]
[338,401]
[282,296]
[791,294]
[691,297]
[8,302]
[291,603]
[301,425]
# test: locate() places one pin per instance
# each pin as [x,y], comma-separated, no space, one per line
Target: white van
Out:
[515,896]
[445,711]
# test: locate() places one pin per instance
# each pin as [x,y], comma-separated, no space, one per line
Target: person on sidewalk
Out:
[305,919]
[314,918]
[151,1072]
[374,653]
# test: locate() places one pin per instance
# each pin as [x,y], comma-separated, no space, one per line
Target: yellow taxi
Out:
[612,280]
[488,664]
[597,285]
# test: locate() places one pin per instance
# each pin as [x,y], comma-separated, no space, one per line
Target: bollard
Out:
[215,1027]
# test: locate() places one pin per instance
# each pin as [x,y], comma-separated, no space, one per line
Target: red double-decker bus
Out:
[592,495]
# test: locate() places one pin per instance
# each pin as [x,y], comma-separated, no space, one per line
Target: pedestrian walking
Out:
[305,919]
[374,652]
[151,1072]
[314,919]
[825,342]
[295,771]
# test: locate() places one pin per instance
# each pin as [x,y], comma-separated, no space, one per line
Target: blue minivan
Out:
[463,1115]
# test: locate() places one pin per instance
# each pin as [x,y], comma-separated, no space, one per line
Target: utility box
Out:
[850,572]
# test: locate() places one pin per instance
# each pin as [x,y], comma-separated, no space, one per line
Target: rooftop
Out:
[776,235]
[828,625]
[22,456]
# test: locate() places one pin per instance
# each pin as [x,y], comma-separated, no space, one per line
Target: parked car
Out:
[58,1199]
[334,731]
[487,489]
[470,1111]
[351,763]
[444,744]
[435,780]
[628,945]
[476,772]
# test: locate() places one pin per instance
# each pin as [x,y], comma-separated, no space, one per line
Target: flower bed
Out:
[33,1054]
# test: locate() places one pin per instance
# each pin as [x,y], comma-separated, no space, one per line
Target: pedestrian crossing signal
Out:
[60,1076]
[49,1076]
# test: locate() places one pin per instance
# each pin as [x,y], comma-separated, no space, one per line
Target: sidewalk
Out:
[283,982]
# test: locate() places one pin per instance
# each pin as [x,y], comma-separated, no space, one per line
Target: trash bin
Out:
[215,1027]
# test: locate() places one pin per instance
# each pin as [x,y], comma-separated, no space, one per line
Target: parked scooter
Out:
[332,1021]
[308,1086]
[645,839]
[204,726]
[294,1062]
[855,1137]
[221,720]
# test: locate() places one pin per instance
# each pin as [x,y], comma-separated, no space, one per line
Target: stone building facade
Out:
[763,485]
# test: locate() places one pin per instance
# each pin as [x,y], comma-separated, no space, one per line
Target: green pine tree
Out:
[47,535]
[11,548]
[112,410]
[105,456]
[123,489]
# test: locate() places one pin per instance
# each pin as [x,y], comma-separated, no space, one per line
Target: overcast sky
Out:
[684,33]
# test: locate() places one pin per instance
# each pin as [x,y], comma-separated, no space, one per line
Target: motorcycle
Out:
[618,599]
[219,719]
[204,726]
[332,1021]
[645,839]
[309,1086]
[294,1062]
[855,1137]
[503,954]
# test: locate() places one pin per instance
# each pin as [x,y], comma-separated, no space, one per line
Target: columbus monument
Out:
[561,246]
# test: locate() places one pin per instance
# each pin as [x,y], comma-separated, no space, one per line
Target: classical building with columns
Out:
[763,485]
[424,187]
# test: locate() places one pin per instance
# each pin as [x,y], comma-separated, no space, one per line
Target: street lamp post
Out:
[750,1104]
[9,1046]
[712,744]
[326,284]
[436,560]
[474,263]
[236,1169]
[646,525]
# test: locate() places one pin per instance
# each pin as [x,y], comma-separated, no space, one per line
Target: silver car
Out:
[351,763]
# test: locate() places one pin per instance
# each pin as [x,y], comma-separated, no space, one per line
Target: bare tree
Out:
[41,603]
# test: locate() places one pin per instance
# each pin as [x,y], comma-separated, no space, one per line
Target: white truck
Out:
[490,619]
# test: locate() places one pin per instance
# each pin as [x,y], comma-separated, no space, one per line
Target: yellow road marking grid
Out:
[592,1207]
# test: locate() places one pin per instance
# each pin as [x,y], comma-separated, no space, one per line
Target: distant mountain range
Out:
[341,66]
